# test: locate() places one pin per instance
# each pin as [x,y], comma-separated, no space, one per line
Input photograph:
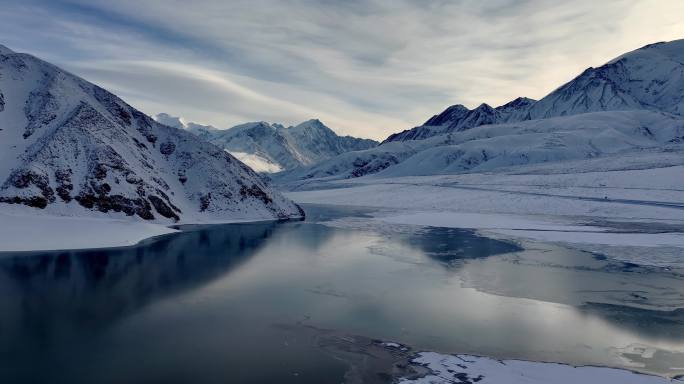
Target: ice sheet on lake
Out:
[631,215]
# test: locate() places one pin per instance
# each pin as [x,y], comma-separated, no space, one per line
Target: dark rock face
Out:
[33,201]
[163,208]
[167,148]
[205,200]
[63,177]
[2,102]
[37,191]
[255,191]
[117,203]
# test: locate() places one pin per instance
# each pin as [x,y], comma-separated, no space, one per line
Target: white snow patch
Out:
[256,162]
[446,369]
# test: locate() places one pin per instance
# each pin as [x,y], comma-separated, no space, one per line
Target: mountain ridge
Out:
[614,85]
[269,147]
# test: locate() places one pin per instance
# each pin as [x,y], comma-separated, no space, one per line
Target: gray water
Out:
[229,303]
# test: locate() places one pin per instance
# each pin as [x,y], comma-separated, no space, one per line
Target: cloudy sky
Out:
[366,68]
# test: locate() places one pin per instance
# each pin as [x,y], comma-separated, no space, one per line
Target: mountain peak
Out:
[313,124]
[521,100]
[171,121]
[484,107]
[449,114]
[673,50]
[650,77]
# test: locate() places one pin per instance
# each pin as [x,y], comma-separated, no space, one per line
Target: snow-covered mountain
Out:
[650,78]
[459,118]
[489,147]
[631,104]
[268,147]
[70,147]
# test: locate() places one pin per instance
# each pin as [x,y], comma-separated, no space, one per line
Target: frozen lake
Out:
[248,302]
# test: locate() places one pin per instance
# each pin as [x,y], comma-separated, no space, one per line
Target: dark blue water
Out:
[218,304]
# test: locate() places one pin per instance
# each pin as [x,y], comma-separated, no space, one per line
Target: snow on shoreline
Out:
[445,369]
[25,232]
[41,232]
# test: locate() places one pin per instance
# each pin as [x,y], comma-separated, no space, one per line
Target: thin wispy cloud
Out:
[366,68]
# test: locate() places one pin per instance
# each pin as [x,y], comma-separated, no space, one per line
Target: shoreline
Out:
[27,233]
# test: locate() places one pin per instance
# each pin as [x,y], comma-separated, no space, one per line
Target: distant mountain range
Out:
[70,147]
[267,147]
[459,118]
[633,102]
[650,78]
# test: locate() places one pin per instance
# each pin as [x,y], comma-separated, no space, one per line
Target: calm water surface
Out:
[223,304]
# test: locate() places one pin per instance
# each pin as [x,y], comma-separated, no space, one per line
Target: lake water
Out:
[244,303]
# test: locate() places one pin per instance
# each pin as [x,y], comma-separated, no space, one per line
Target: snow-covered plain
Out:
[446,369]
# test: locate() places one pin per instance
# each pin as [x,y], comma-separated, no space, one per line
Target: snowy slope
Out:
[70,147]
[492,147]
[584,136]
[267,147]
[650,78]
